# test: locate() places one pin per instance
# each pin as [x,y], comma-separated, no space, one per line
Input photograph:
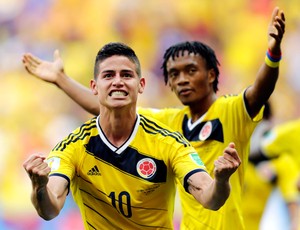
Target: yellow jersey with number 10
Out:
[126,187]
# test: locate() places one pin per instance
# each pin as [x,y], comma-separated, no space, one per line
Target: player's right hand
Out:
[227,164]
[44,70]
[37,170]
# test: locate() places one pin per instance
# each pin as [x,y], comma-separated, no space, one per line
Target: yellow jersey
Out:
[227,120]
[259,185]
[127,187]
[283,138]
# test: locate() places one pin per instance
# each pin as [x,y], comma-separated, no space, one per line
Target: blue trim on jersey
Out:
[63,176]
[216,133]
[185,180]
[126,161]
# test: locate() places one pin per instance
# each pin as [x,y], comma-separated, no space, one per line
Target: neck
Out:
[201,107]
[117,125]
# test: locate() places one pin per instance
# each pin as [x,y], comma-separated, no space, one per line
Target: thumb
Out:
[231,145]
[56,54]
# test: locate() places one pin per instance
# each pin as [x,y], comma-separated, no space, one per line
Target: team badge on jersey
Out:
[146,168]
[53,163]
[205,131]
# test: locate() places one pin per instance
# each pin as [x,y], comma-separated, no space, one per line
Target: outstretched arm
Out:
[53,72]
[48,194]
[263,87]
[213,193]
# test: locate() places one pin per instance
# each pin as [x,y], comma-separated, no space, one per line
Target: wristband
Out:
[272,60]
[273,56]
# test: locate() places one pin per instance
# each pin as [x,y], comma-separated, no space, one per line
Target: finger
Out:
[231,145]
[230,150]
[274,14]
[30,68]
[282,16]
[221,160]
[233,159]
[33,160]
[280,25]
[34,60]
[41,169]
[29,61]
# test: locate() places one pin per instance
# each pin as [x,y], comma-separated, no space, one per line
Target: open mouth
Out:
[118,93]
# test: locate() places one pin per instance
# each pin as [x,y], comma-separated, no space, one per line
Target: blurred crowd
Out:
[34,115]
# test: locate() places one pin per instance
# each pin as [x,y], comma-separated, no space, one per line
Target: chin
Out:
[185,102]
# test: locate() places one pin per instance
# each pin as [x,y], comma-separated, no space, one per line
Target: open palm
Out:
[44,70]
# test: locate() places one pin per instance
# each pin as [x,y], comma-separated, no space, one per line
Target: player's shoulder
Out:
[227,100]
[291,127]
[228,97]
[87,125]
[160,130]
[162,112]
[84,131]
[146,120]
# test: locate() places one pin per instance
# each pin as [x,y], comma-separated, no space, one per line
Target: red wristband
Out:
[275,56]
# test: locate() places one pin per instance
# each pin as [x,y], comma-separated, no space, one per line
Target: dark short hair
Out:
[116,48]
[195,47]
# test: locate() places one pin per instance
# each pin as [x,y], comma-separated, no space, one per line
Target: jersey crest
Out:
[206,130]
[146,168]
[130,161]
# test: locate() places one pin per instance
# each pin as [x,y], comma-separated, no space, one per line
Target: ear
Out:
[142,85]
[93,85]
[211,75]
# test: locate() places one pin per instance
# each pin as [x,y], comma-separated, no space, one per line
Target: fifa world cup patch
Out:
[146,168]
[53,163]
[195,157]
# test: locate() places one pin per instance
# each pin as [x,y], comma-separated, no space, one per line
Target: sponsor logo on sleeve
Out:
[54,163]
[195,157]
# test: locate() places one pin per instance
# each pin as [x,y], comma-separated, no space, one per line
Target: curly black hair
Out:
[195,47]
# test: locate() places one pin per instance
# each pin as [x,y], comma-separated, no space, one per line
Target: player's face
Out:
[190,79]
[117,84]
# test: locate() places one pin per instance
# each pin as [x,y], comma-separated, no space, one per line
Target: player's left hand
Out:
[227,164]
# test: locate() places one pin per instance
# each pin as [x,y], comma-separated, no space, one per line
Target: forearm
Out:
[79,93]
[265,81]
[216,195]
[46,203]
[212,194]
[259,93]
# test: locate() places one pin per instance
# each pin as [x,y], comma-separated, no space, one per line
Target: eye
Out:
[127,75]
[108,75]
[173,74]
[191,71]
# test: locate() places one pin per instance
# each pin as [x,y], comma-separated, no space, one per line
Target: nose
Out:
[117,80]
[182,78]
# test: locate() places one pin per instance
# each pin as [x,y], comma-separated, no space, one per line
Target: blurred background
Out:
[36,115]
